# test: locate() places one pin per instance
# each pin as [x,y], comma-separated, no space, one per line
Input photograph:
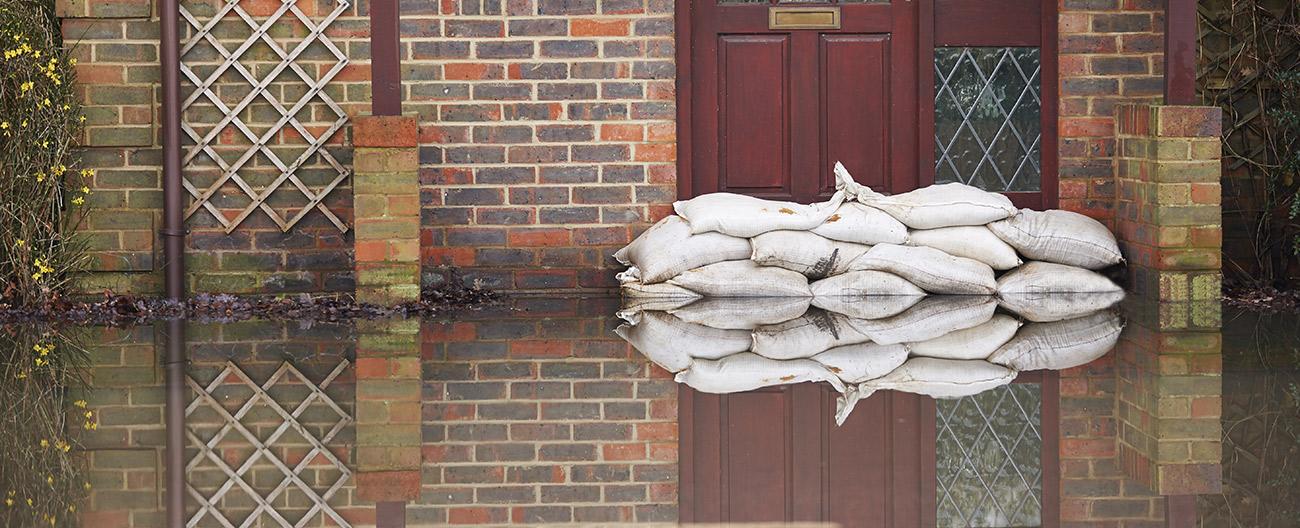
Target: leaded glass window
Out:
[987,117]
[988,460]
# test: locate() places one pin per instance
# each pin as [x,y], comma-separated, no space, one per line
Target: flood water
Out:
[935,412]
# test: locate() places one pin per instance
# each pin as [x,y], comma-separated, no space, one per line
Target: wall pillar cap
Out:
[371,131]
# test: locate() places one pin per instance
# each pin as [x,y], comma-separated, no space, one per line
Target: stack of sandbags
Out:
[940,346]
[942,239]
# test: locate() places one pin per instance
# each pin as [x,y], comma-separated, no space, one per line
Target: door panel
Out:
[854,102]
[753,108]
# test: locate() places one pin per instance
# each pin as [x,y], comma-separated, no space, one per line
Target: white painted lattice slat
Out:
[214,450]
[232,119]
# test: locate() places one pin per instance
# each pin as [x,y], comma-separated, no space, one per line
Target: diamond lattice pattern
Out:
[989,458]
[261,452]
[258,117]
[987,111]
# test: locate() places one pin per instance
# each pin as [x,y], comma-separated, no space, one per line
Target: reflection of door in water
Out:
[775,455]
[771,110]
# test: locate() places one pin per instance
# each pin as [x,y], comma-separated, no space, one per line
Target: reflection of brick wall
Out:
[530,421]
[116,44]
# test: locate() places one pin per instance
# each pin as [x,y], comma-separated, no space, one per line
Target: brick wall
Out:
[1111,52]
[547,129]
[116,44]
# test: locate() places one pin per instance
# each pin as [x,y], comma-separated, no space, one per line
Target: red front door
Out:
[776,93]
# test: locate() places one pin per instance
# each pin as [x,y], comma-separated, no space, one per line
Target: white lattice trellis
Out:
[231,60]
[208,450]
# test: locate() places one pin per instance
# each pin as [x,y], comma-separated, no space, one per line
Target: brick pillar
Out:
[1169,216]
[388,410]
[386,190]
[1170,384]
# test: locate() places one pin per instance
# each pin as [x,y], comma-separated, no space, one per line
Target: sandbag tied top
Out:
[944,205]
[1048,278]
[743,278]
[972,242]
[812,255]
[933,270]
[862,224]
[746,216]
[1063,237]
[937,378]
[668,248]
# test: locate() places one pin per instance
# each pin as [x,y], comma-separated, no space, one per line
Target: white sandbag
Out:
[815,332]
[933,270]
[1049,278]
[804,252]
[743,278]
[1063,237]
[976,342]
[747,216]
[1063,344]
[662,290]
[862,224]
[1048,307]
[930,318]
[746,371]
[668,248]
[944,205]
[864,283]
[747,313]
[937,378]
[672,343]
[654,304]
[866,306]
[972,242]
[863,361]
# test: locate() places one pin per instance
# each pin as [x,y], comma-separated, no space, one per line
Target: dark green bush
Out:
[42,196]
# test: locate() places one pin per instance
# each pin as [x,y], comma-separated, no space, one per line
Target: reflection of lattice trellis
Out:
[987,112]
[249,420]
[988,459]
[239,102]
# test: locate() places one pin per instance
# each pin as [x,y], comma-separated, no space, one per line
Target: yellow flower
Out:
[40,177]
[29,502]
[49,479]
[4,125]
[41,362]
[73,61]
[90,414]
[86,486]
[45,443]
[80,403]
[83,119]
[86,173]
[78,201]
[85,190]
[21,242]
[36,276]
[9,502]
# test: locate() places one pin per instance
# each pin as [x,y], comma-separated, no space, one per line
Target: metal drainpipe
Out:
[173,237]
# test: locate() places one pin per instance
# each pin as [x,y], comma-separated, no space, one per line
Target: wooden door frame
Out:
[1002,32]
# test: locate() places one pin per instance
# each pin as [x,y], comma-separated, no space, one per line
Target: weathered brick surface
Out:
[116,44]
[386,203]
[1168,211]
[547,132]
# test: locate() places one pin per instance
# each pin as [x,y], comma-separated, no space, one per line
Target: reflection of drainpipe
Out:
[173,237]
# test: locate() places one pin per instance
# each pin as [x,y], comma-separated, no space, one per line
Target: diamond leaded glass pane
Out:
[988,461]
[987,109]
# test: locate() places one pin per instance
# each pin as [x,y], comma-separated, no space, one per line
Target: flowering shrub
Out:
[42,479]
[42,198]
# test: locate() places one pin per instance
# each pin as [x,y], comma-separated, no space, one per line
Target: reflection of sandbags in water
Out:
[972,242]
[1046,277]
[654,304]
[944,205]
[930,318]
[746,216]
[933,270]
[668,248]
[672,343]
[742,313]
[864,283]
[937,378]
[863,361]
[1062,344]
[1063,237]
[807,336]
[1048,307]
[746,371]
[662,290]
[867,306]
[743,278]
[812,255]
[861,224]
[976,342]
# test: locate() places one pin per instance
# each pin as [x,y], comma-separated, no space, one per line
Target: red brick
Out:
[539,237]
[478,515]
[385,131]
[586,27]
[388,485]
[472,71]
